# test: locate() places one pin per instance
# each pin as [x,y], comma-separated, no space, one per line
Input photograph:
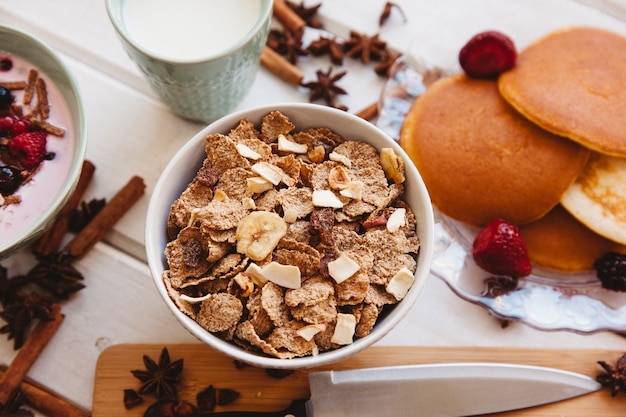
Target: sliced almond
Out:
[342,268]
[338,178]
[259,185]
[396,220]
[270,172]
[247,152]
[354,190]
[309,331]
[286,276]
[344,329]
[287,145]
[400,283]
[392,164]
[326,198]
[254,272]
[258,234]
[337,157]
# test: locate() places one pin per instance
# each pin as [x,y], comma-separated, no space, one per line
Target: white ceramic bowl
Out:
[183,167]
[22,45]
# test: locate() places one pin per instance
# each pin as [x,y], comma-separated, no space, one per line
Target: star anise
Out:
[9,286]
[287,43]
[365,47]
[13,407]
[171,408]
[159,378]
[20,313]
[325,87]
[613,378]
[132,399]
[383,68]
[329,46]
[56,274]
[496,286]
[308,14]
[387,12]
[84,213]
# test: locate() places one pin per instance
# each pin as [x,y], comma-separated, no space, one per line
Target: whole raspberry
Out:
[28,148]
[611,271]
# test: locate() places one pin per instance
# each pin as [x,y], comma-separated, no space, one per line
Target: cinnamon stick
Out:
[51,239]
[106,218]
[280,67]
[28,354]
[369,112]
[285,15]
[46,401]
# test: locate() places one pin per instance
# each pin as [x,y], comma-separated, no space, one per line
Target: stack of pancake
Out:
[543,146]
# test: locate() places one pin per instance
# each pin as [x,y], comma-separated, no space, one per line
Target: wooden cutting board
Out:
[260,392]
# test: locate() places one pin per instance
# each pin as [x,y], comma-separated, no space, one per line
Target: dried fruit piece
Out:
[611,271]
[488,54]
[400,283]
[326,198]
[258,185]
[286,276]
[500,249]
[270,172]
[337,157]
[287,145]
[344,329]
[247,152]
[258,234]
[354,190]
[396,220]
[392,164]
[307,332]
[342,268]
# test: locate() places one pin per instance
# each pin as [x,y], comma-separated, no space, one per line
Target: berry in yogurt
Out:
[36,144]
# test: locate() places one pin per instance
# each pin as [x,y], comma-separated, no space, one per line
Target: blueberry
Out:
[10,179]
[6,98]
[6,64]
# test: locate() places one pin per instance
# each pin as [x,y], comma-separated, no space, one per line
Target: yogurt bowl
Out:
[28,211]
[183,168]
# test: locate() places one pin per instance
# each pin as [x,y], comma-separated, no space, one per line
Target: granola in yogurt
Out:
[291,242]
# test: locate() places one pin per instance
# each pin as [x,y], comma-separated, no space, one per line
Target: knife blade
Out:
[437,390]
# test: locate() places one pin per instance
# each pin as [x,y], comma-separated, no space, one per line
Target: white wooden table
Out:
[131,133]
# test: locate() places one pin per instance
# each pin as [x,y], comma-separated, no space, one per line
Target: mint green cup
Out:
[200,90]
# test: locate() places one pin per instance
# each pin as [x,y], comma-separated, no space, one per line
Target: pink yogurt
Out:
[39,194]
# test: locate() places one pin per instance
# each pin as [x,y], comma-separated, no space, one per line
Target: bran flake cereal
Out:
[251,207]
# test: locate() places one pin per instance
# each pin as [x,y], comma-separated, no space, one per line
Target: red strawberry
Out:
[487,55]
[29,148]
[500,249]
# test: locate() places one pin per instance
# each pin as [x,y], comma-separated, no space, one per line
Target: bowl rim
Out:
[155,229]
[80,134]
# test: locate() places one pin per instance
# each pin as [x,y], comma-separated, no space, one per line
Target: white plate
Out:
[545,300]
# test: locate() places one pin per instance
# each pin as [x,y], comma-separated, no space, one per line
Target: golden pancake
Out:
[480,159]
[558,241]
[572,83]
[598,197]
